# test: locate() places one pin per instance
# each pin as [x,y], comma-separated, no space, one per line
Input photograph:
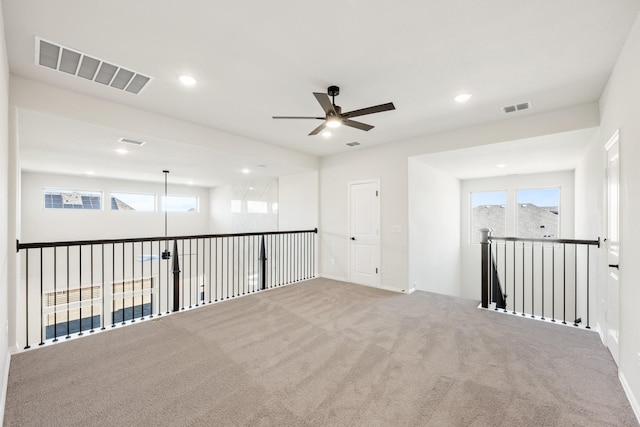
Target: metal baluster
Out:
[103,321]
[175,246]
[152,291]
[68,314]
[42,323]
[227,267]
[123,280]
[533,309]
[505,278]
[190,270]
[27,346]
[542,262]
[133,282]
[588,300]
[523,309]
[216,258]
[92,285]
[514,277]
[564,284]
[159,287]
[575,284]
[80,287]
[184,268]
[553,283]
[55,294]
[210,262]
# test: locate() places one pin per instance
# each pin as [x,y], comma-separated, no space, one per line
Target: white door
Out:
[364,233]
[613,245]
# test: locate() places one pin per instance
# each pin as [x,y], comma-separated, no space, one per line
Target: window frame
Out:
[81,192]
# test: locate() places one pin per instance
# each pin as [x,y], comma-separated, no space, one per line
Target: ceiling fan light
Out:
[326,134]
[333,122]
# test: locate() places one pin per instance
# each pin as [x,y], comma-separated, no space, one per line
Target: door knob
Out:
[353,238]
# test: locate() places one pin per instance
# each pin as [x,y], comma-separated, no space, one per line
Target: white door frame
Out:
[377,255]
[612,246]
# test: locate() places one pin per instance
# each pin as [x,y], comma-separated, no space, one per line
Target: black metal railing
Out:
[70,288]
[547,279]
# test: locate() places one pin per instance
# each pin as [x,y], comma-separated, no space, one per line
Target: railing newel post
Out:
[263,264]
[484,247]
[176,277]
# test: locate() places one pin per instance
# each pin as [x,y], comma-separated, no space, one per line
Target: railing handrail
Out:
[149,239]
[567,241]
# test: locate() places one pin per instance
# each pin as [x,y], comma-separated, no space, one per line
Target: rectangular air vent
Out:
[517,107]
[71,61]
[132,141]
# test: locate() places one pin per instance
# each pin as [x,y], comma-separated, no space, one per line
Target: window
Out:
[180,204]
[133,202]
[488,210]
[72,199]
[538,212]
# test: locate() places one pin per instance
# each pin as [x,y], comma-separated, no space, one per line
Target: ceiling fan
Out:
[334,116]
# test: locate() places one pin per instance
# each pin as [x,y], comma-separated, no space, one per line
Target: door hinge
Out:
[376,193]
[606,173]
[376,270]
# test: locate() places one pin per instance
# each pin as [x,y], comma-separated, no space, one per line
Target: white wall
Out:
[590,199]
[619,110]
[220,210]
[7,245]
[298,201]
[434,230]
[389,163]
[297,205]
[39,224]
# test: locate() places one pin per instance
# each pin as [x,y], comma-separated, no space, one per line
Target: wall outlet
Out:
[396,229]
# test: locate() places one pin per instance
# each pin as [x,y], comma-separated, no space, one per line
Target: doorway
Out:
[364,232]
[613,245]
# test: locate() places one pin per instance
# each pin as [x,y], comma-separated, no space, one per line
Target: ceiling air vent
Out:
[352,144]
[516,107]
[132,141]
[71,61]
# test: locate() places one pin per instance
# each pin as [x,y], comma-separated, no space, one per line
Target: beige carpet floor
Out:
[323,353]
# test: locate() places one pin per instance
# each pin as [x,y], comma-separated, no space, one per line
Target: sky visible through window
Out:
[543,197]
[536,196]
[488,198]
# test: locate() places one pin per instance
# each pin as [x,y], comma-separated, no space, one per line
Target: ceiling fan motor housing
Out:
[333,91]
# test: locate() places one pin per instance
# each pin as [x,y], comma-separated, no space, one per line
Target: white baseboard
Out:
[385,288]
[632,399]
[328,276]
[5,384]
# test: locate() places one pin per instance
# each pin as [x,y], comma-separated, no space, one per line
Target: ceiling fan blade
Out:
[325,103]
[370,110]
[296,117]
[318,129]
[357,125]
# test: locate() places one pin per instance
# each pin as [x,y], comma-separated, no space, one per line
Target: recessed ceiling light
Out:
[463,97]
[245,170]
[187,80]
[501,165]
[189,182]
[326,134]
[88,172]
[121,151]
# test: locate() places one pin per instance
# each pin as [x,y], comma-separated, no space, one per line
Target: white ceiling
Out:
[256,59]
[557,152]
